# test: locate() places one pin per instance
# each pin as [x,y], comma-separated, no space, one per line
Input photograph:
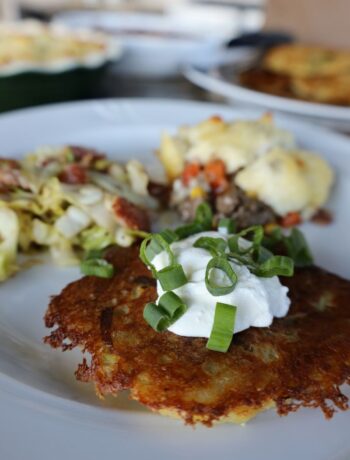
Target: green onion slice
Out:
[255,234]
[216,246]
[152,246]
[223,327]
[156,245]
[202,222]
[173,305]
[297,248]
[187,230]
[94,254]
[97,267]
[262,255]
[156,317]
[171,277]
[220,263]
[169,310]
[233,244]
[204,216]
[226,226]
[276,266]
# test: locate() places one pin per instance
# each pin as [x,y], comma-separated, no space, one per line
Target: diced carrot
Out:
[215,174]
[291,219]
[191,170]
[216,119]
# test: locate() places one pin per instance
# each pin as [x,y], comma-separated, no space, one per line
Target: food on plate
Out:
[34,45]
[251,171]
[70,200]
[299,60]
[197,324]
[307,72]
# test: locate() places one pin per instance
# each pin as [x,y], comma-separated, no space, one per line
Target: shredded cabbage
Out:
[9,235]
[95,238]
[39,209]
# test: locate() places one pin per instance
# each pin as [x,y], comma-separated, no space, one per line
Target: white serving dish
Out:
[44,411]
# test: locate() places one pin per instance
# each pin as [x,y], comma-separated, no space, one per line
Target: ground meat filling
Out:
[233,203]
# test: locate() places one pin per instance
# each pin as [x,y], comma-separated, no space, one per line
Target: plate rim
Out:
[56,401]
[200,76]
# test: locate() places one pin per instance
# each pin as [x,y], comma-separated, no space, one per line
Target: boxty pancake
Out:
[301,360]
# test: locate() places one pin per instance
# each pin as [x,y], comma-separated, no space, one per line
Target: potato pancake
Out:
[301,360]
[325,90]
[305,72]
[299,60]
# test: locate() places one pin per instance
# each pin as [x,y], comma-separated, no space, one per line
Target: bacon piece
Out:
[85,157]
[10,175]
[73,174]
[131,215]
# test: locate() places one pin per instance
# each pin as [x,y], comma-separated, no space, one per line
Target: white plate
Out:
[43,410]
[219,74]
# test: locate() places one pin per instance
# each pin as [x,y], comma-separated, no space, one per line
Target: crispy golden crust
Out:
[306,61]
[299,361]
[330,90]
[325,90]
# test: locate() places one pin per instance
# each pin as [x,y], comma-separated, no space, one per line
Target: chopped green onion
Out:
[255,234]
[169,310]
[216,246]
[156,245]
[144,254]
[297,248]
[138,233]
[226,226]
[94,254]
[173,305]
[295,245]
[233,243]
[153,245]
[223,327]
[204,216]
[202,222]
[169,235]
[97,267]
[222,264]
[187,230]
[171,277]
[276,266]
[156,317]
[262,255]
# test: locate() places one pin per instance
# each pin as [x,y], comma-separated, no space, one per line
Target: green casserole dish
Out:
[43,63]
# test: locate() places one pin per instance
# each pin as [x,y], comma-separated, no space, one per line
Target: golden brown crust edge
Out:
[296,362]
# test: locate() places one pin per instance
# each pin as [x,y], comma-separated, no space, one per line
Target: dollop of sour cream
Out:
[258,300]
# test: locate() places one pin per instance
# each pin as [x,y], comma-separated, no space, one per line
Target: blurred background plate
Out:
[219,74]
[158,45]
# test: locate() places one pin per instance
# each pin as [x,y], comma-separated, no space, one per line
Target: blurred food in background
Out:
[46,63]
[308,72]
[159,45]
[154,46]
